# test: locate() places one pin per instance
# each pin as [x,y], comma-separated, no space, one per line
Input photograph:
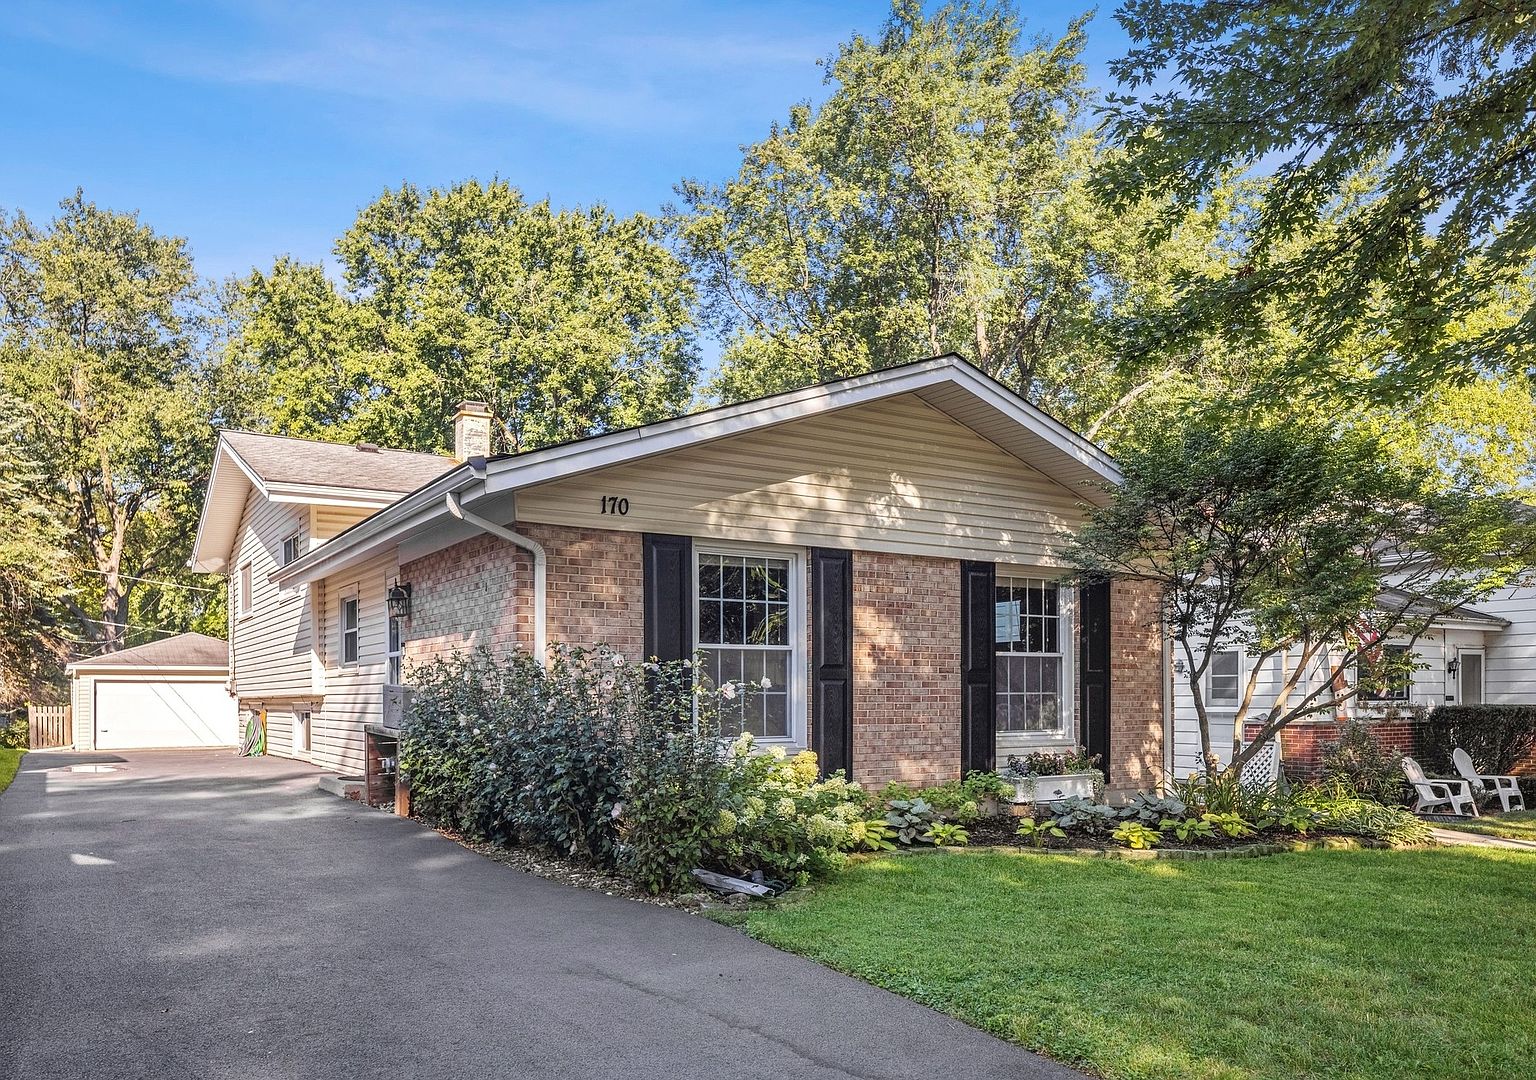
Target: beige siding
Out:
[896,476]
[326,521]
[270,647]
[82,692]
[353,692]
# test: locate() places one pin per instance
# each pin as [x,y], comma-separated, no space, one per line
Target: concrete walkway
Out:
[198,915]
[1471,839]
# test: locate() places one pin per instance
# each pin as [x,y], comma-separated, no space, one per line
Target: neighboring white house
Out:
[168,694]
[1474,655]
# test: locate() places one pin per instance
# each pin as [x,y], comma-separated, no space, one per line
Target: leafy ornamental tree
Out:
[1296,539]
[937,201]
[110,409]
[1399,141]
[566,322]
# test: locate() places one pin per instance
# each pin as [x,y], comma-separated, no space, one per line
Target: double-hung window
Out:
[745,635]
[1223,678]
[349,630]
[1029,639]
[292,548]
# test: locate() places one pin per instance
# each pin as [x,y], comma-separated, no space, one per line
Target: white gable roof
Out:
[947,383]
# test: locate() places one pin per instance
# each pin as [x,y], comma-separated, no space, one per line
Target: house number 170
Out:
[612,504]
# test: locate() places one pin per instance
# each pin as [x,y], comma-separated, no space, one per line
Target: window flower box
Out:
[1054,787]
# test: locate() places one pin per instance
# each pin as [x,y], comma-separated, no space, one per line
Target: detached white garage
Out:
[169,694]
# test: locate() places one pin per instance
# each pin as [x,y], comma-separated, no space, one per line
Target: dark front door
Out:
[1093,646]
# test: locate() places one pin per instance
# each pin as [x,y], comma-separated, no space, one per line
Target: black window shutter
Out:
[668,597]
[832,659]
[1094,668]
[978,710]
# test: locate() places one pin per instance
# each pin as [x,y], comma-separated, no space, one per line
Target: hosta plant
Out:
[1037,831]
[947,834]
[1133,834]
[1187,829]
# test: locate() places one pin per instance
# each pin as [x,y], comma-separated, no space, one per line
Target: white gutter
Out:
[533,547]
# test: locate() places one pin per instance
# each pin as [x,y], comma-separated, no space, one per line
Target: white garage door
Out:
[151,713]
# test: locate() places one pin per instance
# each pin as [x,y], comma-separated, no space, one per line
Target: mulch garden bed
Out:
[1000,832]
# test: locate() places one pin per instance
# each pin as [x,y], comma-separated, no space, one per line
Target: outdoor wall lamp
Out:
[399,601]
[1452,668]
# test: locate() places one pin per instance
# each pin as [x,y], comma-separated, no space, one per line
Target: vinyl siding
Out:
[896,476]
[270,647]
[1510,666]
[353,692]
[82,693]
[326,521]
[1431,686]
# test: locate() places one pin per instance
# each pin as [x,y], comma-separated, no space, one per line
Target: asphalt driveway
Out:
[193,914]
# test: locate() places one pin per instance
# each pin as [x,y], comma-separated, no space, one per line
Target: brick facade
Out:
[906,668]
[1302,744]
[1136,721]
[479,592]
[906,651]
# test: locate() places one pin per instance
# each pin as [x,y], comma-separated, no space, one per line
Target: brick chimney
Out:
[471,431]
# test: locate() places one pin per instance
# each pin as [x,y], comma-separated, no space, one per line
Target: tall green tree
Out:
[566,322]
[32,562]
[937,201]
[1398,139]
[97,356]
[1301,540]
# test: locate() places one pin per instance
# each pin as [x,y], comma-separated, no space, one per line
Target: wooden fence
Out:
[49,725]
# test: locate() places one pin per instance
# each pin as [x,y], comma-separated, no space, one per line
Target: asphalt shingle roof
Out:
[183,650]
[278,459]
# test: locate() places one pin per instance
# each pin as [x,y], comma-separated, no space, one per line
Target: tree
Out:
[1298,539]
[937,201]
[31,567]
[566,322]
[1398,143]
[109,404]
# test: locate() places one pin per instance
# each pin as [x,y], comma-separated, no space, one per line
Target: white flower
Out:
[618,661]
[476,731]
[767,683]
[728,691]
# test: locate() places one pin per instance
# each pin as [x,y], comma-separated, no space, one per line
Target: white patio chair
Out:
[1507,788]
[1263,769]
[1454,794]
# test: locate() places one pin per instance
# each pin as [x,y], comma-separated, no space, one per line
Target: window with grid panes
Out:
[744,635]
[1028,642]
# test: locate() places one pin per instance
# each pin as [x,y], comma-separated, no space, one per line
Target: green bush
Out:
[1225,793]
[1361,763]
[1340,809]
[956,800]
[1499,737]
[13,733]
[618,763]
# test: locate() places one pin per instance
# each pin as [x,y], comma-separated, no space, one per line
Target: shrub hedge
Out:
[1498,737]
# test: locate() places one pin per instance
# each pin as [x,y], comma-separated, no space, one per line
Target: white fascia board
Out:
[134,672]
[324,495]
[222,452]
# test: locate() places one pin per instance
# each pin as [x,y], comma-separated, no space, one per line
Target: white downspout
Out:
[540,564]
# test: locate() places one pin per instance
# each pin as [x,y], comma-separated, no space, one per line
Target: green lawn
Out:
[1325,964]
[1521,825]
[10,761]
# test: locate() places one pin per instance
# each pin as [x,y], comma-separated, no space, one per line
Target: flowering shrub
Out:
[781,818]
[619,763]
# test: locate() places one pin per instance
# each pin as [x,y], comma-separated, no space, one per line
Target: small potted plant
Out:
[1044,777]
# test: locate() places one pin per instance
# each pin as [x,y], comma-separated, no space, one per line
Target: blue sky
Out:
[259,128]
